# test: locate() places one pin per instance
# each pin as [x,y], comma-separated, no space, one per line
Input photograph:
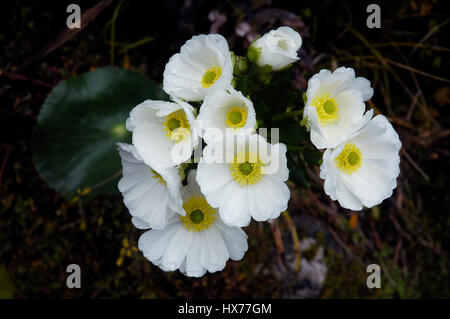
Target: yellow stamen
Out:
[236,117]
[211,76]
[158,177]
[177,125]
[245,171]
[199,214]
[350,159]
[326,108]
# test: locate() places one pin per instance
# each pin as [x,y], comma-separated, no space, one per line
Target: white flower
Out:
[335,106]
[278,48]
[151,197]
[196,243]
[202,66]
[363,170]
[244,179]
[164,133]
[226,109]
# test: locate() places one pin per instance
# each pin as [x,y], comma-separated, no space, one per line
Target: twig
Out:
[107,180]
[397,251]
[409,68]
[17,76]
[278,242]
[399,228]
[376,235]
[414,164]
[412,106]
[2,168]
[428,35]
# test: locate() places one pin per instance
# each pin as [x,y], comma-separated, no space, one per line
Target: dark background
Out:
[407,62]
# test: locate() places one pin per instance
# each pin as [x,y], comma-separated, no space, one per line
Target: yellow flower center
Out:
[177,125]
[236,117]
[326,108]
[199,214]
[245,170]
[350,159]
[158,177]
[211,75]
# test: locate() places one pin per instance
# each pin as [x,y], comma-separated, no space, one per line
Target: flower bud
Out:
[278,48]
[240,65]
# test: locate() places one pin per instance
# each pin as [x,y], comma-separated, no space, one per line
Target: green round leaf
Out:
[79,124]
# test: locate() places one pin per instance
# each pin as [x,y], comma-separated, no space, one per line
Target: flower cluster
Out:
[194,213]
[361,161]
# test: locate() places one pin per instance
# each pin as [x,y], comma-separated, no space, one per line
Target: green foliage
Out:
[79,124]
[253,53]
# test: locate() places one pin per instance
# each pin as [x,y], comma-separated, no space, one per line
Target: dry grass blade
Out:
[295,239]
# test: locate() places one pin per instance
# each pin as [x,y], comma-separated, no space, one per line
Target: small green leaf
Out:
[253,53]
[305,98]
[304,123]
[79,124]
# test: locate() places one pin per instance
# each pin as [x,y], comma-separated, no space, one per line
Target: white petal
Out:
[375,180]
[139,223]
[217,250]
[350,94]
[153,243]
[231,206]
[363,85]
[184,71]
[215,108]
[145,197]
[235,239]
[278,48]
[177,249]
[153,145]
[194,267]
[213,176]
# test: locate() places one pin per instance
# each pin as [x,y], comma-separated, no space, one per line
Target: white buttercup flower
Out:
[278,48]
[226,109]
[335,106]
[363,170]
[202,66]
[244,176]
[164,133]
[151,197]
[196,243]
